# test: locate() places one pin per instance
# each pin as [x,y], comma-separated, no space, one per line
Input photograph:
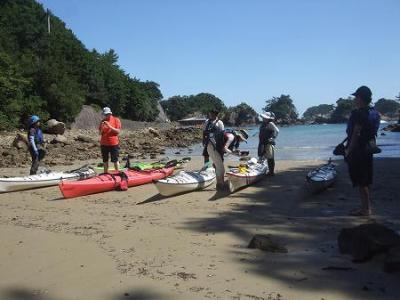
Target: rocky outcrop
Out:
[60,139]
[54,127]
[84,145]
[392,127]
[20,141]
[162,116]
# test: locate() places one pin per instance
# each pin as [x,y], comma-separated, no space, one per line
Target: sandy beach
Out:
[139,245]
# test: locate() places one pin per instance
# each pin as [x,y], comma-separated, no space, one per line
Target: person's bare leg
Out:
[116,166]
[105,166]
[365,201]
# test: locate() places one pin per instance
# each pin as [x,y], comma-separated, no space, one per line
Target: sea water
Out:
[307,142]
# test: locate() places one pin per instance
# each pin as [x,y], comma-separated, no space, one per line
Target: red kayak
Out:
[109,182]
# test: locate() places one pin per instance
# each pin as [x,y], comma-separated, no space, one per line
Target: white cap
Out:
[107,111]
[268,115]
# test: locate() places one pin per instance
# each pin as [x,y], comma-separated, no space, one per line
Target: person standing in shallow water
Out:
[211,125]
[362,127]
[35,143]
[109,129]
[266,145]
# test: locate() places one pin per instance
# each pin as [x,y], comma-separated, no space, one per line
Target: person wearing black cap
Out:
[211,125]
[362,129]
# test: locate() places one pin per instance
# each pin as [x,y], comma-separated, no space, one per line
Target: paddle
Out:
[83,168]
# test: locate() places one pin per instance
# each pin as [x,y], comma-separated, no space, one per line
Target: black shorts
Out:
[112,151]
[361,169]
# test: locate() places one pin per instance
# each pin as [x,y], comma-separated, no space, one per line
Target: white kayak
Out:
[11,184]
[185,181]
[322,177]
[247,174]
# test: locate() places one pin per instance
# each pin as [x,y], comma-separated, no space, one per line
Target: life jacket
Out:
[210,130]
[37,136]
[265,134]
[369,120]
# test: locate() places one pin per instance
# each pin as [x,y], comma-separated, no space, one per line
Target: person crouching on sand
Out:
[221,142]
[266,144]
[362,127]
[211,125]
[35,143]
[109,129]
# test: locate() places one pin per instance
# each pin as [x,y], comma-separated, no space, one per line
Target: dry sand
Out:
[139,245]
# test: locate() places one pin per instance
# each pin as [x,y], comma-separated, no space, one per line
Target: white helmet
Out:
[107,111]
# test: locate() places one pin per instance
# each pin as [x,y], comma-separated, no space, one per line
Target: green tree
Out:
[387,107]
[342,110]
[179,107]
[17,100]
[320,111]
[238,115]
[54,74]
[283,108]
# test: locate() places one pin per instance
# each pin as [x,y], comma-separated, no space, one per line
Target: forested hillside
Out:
[46,70]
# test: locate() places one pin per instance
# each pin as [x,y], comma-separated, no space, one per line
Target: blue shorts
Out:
[107,151]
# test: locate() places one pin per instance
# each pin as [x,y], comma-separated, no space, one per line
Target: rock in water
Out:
[392,127]
[20,142]
[365,240]
[55,127]
[266,243]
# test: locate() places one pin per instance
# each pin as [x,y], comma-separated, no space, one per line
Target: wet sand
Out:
[139,245]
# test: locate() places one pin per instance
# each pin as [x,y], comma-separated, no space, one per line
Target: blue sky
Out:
[247,51]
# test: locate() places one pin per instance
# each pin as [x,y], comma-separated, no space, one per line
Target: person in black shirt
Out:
[362,129]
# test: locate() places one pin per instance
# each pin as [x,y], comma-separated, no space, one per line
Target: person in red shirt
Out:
[109,129]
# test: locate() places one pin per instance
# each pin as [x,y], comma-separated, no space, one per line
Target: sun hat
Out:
[242,133]
[268,115]
[106,111]
[33,119]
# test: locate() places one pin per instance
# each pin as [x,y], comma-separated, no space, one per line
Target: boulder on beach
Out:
[60,139]
[266,243]
[55,127]
[153,131]
[84,139]
[392,260]
[364,241]
[20,141]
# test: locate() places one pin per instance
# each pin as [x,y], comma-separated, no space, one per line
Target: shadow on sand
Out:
[308,225]
[19,293]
